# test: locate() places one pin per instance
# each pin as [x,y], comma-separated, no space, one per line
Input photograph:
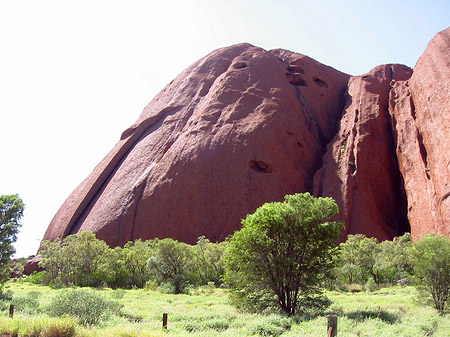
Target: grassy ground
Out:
[391,311]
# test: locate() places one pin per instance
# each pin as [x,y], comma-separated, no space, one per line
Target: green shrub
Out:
[209,288]
[362,315]
[87,307]
[27,305]
[273,325]
[37,277]
[151,285]
[166,288]
[431,260]
[5,295]
[118,294]
[218,324]
[34,294]
[354,288]
[370,285]
[4,305]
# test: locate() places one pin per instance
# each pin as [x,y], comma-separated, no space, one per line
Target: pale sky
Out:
[75,74]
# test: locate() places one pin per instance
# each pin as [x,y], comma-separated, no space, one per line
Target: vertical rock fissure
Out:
[403,226]
[423,154]
[138,197]
[398,224]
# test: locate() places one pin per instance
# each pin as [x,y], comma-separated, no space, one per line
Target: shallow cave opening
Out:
[295,79]
[295,69]
[260,166]
[320,82]
[240,65]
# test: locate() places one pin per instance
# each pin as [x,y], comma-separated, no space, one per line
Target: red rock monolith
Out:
[240,127]
[244,126]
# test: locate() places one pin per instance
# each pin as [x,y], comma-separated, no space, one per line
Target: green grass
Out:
[386,312]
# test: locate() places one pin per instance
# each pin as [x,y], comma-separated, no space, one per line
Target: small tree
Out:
[11,210]
[77,260]
[136,255]
[431,261]
[281,255]
[358,257]
[401,259]
[171,263]
[385,265]
[86,254]
[348,263]
[362,258]
[115,273]
[207,261]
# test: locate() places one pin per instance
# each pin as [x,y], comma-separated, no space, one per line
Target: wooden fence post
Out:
[165,320]
[332,326]
[11,310]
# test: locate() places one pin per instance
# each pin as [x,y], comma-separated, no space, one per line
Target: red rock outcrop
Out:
[32,265]
[360,169]
[244,126]
[421,111]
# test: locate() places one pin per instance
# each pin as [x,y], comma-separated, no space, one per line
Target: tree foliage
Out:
[207,261]
[84,260]
[281,255]
[361,258]
[135,256]
[11,211]
[77,260]
[171,263]
[358,256]
[431,261]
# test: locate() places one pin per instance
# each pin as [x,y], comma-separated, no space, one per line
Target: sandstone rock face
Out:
[244,126]
[360,169]
[421,111]
[32,265]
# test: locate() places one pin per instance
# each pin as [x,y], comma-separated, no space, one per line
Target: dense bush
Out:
[172,267]
[171,263]
[83,260]
[87,307]
[207,261]
[118,294]
[361,258]
[272,325]
[148,263]
[431,261]
[27,304]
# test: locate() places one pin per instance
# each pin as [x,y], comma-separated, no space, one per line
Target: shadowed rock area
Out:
[244,126]
[420,108]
